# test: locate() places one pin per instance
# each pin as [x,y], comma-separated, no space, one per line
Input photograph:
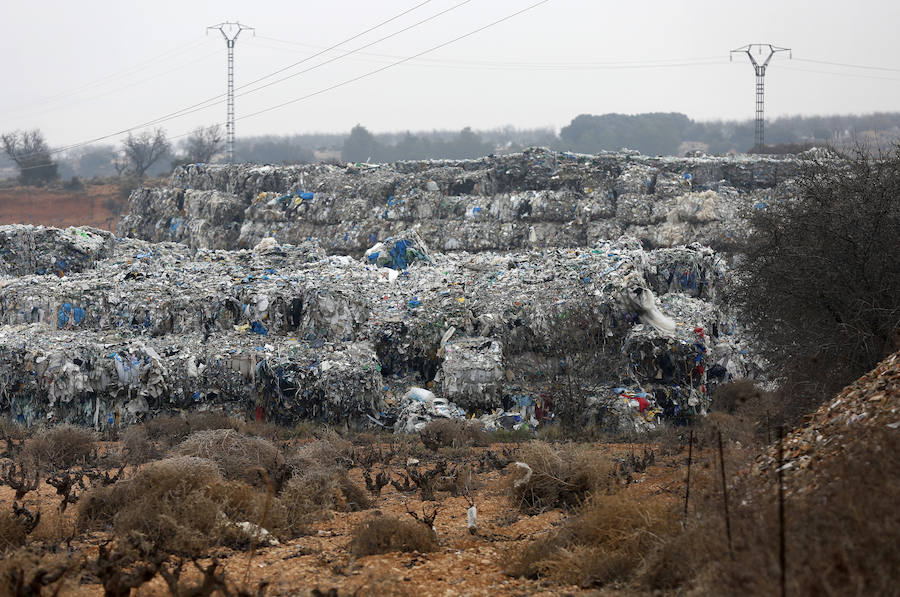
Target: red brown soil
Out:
[463,564]
[61,208]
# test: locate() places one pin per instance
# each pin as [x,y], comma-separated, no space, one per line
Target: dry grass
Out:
[59,447]
[13,531]
[54,527]
[605,542]
[562,477]
[238,456]
[383,534]
[453,433]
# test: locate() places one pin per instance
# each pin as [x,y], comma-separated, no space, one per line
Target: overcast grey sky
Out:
[80,70]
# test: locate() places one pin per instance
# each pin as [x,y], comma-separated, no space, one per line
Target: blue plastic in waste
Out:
[306,196]
[414,302]
[398,254]
[258,328]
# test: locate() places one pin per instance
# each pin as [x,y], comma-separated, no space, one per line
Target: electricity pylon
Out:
[230,31]
[760,69]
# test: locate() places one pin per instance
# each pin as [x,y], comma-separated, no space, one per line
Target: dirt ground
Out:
[61,208]
[464,564]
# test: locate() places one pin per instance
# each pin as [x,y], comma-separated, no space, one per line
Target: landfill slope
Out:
[286,332]
[869,405]
[534,199]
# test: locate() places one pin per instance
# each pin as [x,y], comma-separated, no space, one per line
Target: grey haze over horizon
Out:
[83,70]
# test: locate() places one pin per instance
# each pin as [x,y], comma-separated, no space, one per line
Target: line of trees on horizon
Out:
[150,153]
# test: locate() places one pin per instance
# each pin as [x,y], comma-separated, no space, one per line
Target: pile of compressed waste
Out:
[534,199]
[291,332]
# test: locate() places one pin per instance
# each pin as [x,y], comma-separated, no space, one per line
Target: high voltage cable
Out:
[343,83]
[838,74]
[81,100]
[844,64]
[397,63]
[506,63]
[178,112]
[117,74]
[217,99]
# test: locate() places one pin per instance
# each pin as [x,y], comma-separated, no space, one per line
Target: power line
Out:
[365,75]
[397,63]
[844,64]
[208,103]
[837,74]
[114,75]
[213,101]
[75,102]
[474,65]
[180,112]
[523,64]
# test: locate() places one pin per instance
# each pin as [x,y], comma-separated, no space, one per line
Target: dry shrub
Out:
[312,492]
[737,396]
[840,537]
[137,445]
[26,572]
[605,542]
[168,501]
[330,451]
[238,456]
[59,447]
[453,433]
[209,419]
[562,477]
[13,531]
[9,429]
[383,534]
[168,429]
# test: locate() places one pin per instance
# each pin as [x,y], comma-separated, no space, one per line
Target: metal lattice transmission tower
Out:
[760,68]
[230,31]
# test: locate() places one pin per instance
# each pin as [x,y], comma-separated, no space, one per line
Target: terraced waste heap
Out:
[287,332]
[534,199]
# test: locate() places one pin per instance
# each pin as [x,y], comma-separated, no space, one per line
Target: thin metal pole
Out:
[687,491]
[782,561]
[725,496]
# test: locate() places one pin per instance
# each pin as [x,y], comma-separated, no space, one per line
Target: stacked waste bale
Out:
[534,199]
[296,333]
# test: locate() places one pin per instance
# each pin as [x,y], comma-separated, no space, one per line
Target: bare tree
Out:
[203,144]
[31,154]
[819,283]
[143,150]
